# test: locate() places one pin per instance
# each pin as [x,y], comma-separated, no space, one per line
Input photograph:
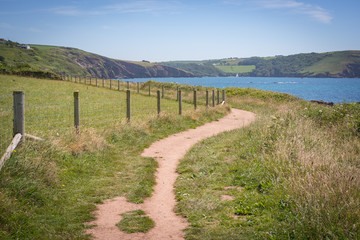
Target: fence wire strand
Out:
[52,114]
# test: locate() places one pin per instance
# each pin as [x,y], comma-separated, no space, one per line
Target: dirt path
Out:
[160,207]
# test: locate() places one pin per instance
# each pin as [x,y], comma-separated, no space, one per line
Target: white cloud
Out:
[139,6]
[143,6]
[297,7]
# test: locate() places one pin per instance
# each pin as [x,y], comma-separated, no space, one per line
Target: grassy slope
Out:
[77,62]
[236,69]
[49,189]
[293,173]
[335,63]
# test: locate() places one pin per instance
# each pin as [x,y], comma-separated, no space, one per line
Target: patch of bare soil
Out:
[160,207]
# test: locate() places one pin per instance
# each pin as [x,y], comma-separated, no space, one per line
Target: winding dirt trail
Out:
[160,207]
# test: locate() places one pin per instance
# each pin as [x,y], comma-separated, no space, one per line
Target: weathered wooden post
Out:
[207,98]
[128,105]
[128,85]
[76,112]
[110,83]
[223,96]
[218,96]
[213,98]
[195,99]
[162,91]
[118,85]
[19,114]
[96,81]
[138,87]
[158,102]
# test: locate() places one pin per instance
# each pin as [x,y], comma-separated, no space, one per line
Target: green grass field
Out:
[236,69]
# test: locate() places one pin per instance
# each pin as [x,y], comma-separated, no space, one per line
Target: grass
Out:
[236,69]
[334,64]
[135,221]
[293,174]
[49,189]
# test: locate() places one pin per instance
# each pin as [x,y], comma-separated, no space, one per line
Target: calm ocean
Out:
[336,90]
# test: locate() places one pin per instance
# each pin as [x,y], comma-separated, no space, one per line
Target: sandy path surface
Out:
[160,207]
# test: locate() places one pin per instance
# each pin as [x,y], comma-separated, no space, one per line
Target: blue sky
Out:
[162,30]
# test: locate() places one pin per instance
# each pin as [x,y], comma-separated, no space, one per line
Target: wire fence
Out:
[52,114]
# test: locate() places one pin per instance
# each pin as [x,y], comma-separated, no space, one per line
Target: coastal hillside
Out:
[345,64]
[21,57]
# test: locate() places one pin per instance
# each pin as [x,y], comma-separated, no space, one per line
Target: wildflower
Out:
[320,111]
[63,185]
[14,151]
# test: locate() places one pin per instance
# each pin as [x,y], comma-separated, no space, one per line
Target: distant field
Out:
[335,63]
[236,69]
[43,47]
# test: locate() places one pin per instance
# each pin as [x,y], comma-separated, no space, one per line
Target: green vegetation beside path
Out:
[292,174]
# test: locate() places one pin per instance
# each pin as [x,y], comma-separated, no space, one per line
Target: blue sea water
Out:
[336,90]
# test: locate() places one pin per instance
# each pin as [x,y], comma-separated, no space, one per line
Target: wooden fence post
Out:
[96,81]
[207,98]
[195,99]
[128,105]
[223,95]
[118,85]
[76,111]
[158,102]
[110,83]
[180,103]
[213,98]
[218,96]
[128,85]
[138,87]
[19,114]
[162,91]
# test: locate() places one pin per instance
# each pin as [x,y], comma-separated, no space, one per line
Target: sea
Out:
[337,90]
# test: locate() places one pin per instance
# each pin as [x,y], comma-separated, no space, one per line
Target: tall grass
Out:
[293,174]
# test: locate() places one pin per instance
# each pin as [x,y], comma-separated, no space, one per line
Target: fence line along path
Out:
[160,207]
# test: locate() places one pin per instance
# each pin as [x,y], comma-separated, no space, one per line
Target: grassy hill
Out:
[331,64]
[77,62]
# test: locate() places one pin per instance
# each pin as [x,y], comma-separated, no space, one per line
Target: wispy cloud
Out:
[139,6]
[75,11]
[297,7]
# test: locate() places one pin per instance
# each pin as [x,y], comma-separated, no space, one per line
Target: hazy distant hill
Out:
[77,62]
[332,64]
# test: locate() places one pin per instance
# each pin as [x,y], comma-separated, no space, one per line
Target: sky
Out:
[164,30]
